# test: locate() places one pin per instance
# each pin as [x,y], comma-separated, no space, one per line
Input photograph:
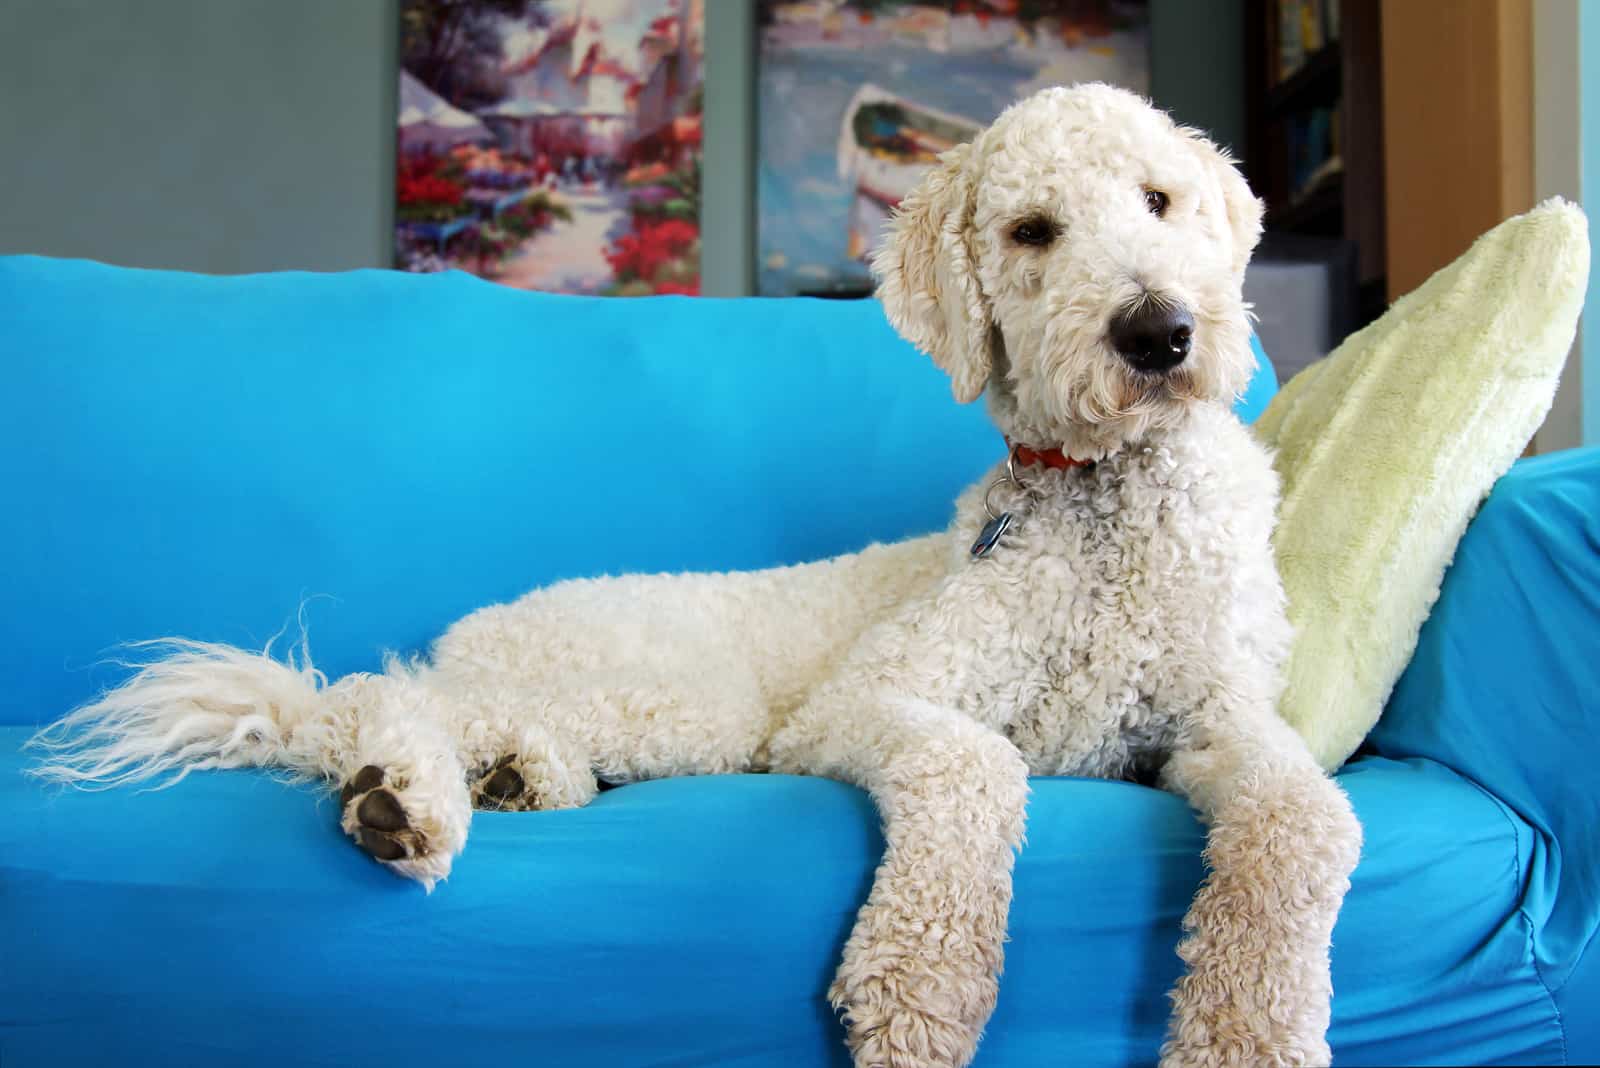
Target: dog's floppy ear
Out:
[927,278]
[1242,208]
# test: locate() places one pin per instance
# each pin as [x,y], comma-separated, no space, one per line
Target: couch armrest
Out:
[1505,689]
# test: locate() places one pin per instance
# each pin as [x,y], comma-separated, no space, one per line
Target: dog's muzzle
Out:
[1153,335]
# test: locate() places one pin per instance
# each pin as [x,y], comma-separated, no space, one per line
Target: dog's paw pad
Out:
[504,785]
[380,811]
[376,819]
[501,787]
[380,845]
[368,778]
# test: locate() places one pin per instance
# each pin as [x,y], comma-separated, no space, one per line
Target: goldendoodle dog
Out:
[1105,604]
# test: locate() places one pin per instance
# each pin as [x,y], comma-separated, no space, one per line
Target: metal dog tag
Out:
[990,535]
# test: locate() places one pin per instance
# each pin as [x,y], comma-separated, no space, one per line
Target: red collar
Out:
[1055,458]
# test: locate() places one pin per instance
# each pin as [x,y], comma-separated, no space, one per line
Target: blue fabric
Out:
[195,456]
[1504,688]
[1263,387]
[689,922]
[198,455]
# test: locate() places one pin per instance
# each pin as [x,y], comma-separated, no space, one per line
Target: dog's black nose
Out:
[1153,335]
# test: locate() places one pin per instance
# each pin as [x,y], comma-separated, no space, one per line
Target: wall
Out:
[256,135]
[1589,111]
[728,230]
[1558,171]
[238,136]
[1197,65]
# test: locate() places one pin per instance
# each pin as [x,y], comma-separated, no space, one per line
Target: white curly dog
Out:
[1082,261]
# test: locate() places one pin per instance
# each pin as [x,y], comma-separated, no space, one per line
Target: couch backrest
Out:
[198,456]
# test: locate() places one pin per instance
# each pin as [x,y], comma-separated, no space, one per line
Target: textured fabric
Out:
[198,456]
[1505,688]
[1387,447]
[690,922]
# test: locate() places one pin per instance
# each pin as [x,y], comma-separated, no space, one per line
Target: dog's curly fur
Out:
[1131,623]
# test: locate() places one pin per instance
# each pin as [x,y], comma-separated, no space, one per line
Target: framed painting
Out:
[552,144]
[858,97]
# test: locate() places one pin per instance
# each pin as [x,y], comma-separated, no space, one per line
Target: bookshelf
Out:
[1314,126]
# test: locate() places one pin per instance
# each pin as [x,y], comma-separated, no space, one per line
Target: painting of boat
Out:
[886,144]
[857,98]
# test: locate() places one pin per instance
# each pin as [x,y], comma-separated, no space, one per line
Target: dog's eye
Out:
[1156,201]
[1035,232]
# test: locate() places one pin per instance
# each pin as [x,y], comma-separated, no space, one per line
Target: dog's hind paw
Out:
[538,775]
[376,819]
[393,823]
[502,788]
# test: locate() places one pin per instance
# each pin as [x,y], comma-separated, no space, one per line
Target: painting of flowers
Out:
[857,98]
[552,144]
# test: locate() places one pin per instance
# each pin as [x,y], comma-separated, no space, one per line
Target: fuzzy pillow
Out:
[1387,447]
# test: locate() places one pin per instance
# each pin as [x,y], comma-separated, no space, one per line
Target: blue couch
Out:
[203,456]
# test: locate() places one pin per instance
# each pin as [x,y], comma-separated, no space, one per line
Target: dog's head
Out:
[1083,258]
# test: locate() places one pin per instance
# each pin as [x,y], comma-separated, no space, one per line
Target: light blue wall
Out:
[253,135]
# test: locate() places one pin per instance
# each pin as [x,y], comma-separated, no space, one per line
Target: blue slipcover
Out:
[1504,689]
[198,456]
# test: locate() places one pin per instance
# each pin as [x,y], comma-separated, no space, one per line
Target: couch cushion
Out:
[197,456]
[1388,446]
[691,921]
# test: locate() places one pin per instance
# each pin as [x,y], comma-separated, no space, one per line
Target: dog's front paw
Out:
[1246,1000]
[901,1019]
[1200,1048]
[912,999]
[398,826]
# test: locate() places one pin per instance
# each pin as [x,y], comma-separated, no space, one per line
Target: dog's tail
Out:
[192,705]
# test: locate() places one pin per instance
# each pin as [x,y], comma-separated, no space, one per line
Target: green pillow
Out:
[1387,447]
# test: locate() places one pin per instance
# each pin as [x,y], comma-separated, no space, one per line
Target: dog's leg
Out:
[522,767]
[1282,843]
[549,743]
[517,758]
[403,792]
[921,967]
[634,678]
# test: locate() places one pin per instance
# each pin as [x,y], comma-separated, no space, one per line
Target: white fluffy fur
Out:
[1132,622]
